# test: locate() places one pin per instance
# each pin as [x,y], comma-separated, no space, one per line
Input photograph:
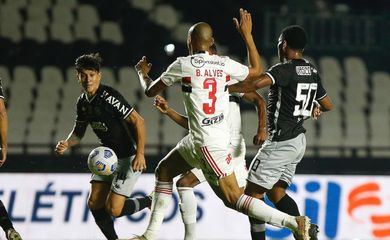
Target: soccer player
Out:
[115,122]
[295,89]
[5,221]
[190,179]
[204,80]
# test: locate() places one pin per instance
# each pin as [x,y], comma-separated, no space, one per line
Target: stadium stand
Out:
[40,40]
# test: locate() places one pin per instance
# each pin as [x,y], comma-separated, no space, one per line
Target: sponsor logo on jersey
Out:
[303,70]
[115,103]
[198,62]
[99,126]
[213,120]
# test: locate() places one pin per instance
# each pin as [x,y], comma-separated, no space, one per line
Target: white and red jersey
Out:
[204,79]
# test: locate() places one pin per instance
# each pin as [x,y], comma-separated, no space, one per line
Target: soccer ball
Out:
[102,161]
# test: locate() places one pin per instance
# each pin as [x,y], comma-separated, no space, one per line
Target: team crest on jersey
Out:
[197,61]
[303,70]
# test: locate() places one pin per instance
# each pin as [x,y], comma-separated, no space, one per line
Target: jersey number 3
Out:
[211,85]
[306,92]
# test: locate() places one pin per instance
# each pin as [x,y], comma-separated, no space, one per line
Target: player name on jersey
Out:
[209,73]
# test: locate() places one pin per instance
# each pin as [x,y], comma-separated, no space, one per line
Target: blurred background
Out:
[40,39]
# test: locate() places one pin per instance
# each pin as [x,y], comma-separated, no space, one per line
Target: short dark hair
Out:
[88,61]
[295,37]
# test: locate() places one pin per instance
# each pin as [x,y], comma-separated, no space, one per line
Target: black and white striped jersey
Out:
[106,113]
[295,85]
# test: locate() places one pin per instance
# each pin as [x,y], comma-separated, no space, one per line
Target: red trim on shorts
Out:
[211,162]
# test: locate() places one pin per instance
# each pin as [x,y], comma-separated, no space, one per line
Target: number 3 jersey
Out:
[204,79]
[295,86]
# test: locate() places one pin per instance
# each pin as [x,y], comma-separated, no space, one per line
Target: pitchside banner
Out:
[53,206]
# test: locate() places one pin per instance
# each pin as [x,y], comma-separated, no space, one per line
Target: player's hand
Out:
[244,26]
[3,156]
[61,147]
[161,104]
[260,137]
[316,113]
[143,66]
[139,163]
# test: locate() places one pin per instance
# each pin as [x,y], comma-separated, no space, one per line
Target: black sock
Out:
[105,223]
[257,228]
[133,205]
[287,205]
[5,222]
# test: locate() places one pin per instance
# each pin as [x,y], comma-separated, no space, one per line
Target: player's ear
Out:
[212,42]
[284,46]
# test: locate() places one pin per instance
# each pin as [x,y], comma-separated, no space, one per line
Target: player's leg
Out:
[219,160]
[188,205]
[96,203]
[171,166]
[118,203]
[6,224]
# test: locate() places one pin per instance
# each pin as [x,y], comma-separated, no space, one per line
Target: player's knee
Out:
[113,211]
[93,204]
[231,200]
[183,182]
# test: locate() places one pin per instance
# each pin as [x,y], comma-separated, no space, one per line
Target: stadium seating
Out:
[43,37]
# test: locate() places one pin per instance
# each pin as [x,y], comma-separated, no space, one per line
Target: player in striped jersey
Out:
[204,79]
[295,88]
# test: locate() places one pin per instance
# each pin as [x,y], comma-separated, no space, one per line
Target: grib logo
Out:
[197,61]
[303,70]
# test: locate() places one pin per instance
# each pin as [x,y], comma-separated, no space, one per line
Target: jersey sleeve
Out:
[120,106]
[80,112]
[172,74]
[1,89]
[236,70]
[321,92]
[279,74]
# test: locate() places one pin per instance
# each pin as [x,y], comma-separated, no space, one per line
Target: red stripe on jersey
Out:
[227,78]
[212,163]
[186,79]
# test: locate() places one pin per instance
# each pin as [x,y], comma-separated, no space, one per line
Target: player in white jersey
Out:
[204,80]
[190,179]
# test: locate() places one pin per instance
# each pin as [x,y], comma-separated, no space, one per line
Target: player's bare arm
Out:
[3,131]
[162,105]
[73,138]
[259,102]
[139,163]
[251,85]
[323,105]
[244,27]
[150,87]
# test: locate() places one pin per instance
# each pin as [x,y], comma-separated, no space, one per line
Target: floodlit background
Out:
[348,153]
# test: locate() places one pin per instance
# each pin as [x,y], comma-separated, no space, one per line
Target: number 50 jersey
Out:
[204,79]
[295,86]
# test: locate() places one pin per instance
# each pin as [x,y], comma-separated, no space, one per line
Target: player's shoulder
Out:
[106,91]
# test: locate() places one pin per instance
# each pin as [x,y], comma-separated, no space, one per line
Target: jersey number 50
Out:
[306,93]
[211,84]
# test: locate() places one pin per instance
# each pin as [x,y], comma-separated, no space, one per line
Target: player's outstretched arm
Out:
[73,138]
[139,163]
[3,132]
[162,105]
[259,102]
[244,27]
[250,85]
[150,87]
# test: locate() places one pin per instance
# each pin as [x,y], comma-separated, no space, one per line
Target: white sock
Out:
[258,209]
[161,199]
[188,210]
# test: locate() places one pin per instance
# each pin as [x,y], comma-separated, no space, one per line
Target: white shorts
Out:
[214,161]
[123,179]
[277,161]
